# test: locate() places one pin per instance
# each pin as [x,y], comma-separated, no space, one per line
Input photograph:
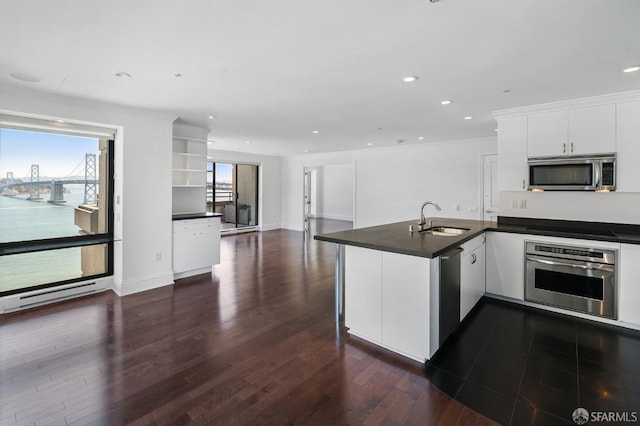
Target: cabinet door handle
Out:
[522,183]
[564,148]
[474,258]
[572,147]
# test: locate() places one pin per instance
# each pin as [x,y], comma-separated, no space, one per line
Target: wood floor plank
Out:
[252,343]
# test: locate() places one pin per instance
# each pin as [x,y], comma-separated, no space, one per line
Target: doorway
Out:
[328,198]
[232,191]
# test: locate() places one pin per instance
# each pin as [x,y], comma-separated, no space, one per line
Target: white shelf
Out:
[189,168]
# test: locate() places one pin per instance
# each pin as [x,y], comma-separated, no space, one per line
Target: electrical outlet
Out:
[522,204]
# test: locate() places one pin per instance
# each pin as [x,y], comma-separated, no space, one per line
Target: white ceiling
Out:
[272,71]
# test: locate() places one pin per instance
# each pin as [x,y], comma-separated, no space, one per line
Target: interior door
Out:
[490,198]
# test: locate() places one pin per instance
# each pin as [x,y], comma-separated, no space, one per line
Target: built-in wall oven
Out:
[576,278]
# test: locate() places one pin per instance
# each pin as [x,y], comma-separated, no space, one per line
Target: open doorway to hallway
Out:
[328,198]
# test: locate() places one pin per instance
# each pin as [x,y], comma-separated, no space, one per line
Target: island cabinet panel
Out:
[472,274]
[405,302]
[363,293]
[505,264]
[629,284]
[387,300]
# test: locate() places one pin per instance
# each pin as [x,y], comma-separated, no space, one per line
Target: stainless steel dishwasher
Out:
[445,298]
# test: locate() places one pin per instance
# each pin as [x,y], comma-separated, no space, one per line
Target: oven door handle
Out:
[601,267]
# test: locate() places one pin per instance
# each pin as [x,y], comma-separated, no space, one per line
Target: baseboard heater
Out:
[43,297]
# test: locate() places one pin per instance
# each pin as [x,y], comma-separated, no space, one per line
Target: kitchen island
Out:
[407,291]
[397,281]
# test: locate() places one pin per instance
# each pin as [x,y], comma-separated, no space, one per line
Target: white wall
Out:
[334,192]
[269,182]
[391,183]
[143,180]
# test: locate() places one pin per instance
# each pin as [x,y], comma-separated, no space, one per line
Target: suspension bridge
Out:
[83,174]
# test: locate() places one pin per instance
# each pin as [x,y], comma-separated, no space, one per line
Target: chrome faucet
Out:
[423,221]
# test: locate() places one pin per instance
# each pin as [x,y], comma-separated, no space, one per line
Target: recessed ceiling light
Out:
[25,77]
[468,117]
[409,78]
[495,130]
[316,131]
[445,102]
[369,143]
[306,150]
[247,141]
[122,74]
[60,121]
[211,117]
[420,138]
[633,68]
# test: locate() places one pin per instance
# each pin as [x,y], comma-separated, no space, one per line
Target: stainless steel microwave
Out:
[573,173]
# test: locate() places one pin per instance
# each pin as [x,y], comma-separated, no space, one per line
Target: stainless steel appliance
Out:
[573,173]
[576,278]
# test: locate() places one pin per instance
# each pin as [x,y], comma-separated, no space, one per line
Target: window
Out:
[56,204]
[232,190]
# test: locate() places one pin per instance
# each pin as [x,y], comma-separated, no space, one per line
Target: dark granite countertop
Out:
[202,215]
[396,238]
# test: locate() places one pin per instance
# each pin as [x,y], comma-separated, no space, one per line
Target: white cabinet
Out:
[405,304]
[590,130]
[628,146]
[363,293]
[196,245]
[629,284]
[472,274]
[505,264]
[512,153]
[387,300]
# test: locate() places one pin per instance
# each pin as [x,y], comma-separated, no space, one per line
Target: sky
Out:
[57,155]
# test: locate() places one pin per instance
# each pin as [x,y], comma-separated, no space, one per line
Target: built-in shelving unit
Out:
[189,169]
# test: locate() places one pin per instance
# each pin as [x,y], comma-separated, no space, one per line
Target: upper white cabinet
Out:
[589,130]
[512,153]
[628,146]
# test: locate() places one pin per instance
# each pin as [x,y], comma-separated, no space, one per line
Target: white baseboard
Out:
[270,227]
[193,272]
[148,282]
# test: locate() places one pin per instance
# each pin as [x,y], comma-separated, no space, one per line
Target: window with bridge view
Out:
[55,206]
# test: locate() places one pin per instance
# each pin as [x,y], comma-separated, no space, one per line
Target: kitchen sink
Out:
[448,231]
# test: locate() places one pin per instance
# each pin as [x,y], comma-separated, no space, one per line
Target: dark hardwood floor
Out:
[253,343]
